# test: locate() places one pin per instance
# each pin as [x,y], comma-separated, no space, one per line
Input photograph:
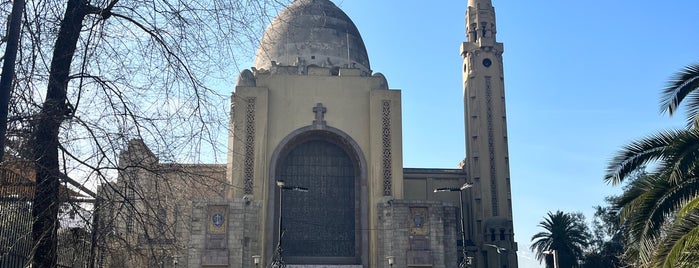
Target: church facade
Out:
[314,174]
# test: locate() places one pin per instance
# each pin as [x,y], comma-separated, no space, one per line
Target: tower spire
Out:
[487,160]
[483,3]
[480,21]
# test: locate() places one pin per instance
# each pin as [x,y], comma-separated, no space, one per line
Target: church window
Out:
[321,222]
[130,199]
[162,221]
[492,234]
[502,234]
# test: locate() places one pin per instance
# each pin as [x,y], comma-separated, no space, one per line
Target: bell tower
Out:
[491,232]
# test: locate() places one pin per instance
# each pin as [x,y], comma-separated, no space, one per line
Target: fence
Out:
[74,232]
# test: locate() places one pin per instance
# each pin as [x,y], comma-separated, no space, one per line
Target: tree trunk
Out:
[45,137]
[8,68]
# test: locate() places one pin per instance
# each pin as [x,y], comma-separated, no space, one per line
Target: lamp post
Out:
[465,261]
[500,251]
[256,259]
[277,260]
[391,260]
[555,256]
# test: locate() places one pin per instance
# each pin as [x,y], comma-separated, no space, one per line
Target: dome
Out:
[312,32]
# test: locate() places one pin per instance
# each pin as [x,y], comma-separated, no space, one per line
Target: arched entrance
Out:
[327,224]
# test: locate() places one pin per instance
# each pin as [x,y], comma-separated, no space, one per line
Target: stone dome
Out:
[312,32]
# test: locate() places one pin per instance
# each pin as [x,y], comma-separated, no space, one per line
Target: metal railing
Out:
[74,233]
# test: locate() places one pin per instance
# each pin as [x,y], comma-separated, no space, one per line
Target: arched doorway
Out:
[324,225]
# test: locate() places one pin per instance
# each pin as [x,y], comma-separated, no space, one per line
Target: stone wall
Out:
[417,233]
[224,233]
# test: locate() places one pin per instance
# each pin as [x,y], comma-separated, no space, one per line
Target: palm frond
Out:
[681,86]
[676,149]
[648,203]
[689,207]
[679,246]
[692,104]
[638,154]
[683,155]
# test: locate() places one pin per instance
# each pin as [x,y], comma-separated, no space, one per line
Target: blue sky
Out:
[581,79]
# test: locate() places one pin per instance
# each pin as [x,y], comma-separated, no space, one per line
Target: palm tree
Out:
[661,206]
[683,85]
[661,201]
[565,233]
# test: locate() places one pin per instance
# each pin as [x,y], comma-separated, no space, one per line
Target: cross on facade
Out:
[319,110]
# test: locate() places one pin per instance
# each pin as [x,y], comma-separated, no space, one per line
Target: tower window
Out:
[502,234]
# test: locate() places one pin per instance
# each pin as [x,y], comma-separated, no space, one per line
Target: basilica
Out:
[314,174]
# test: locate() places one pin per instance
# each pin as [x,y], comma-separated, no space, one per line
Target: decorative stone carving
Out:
[491,146]
[249,164]
[319,110]
[386,141]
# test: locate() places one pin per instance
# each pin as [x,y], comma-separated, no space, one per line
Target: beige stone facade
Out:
[487,159]
[146,216]
[313,114]
[280,106]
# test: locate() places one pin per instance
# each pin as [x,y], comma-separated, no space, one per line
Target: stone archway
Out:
[328,224]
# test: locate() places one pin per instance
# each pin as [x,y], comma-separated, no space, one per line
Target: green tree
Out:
[655,201]
[566,233]
[608,242]
[660,208]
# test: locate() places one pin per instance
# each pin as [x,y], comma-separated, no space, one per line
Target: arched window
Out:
[320,223]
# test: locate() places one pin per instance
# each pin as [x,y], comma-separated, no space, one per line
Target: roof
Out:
[312,32]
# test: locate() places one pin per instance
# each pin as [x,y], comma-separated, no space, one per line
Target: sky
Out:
[582,79]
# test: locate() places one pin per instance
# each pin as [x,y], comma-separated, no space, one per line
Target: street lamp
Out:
[555,256]
[465,259]
[391,260]
[256,259]
[277,260]
[498,249]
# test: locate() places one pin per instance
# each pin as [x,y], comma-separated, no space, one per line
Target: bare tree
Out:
[118,70]
[8,67]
